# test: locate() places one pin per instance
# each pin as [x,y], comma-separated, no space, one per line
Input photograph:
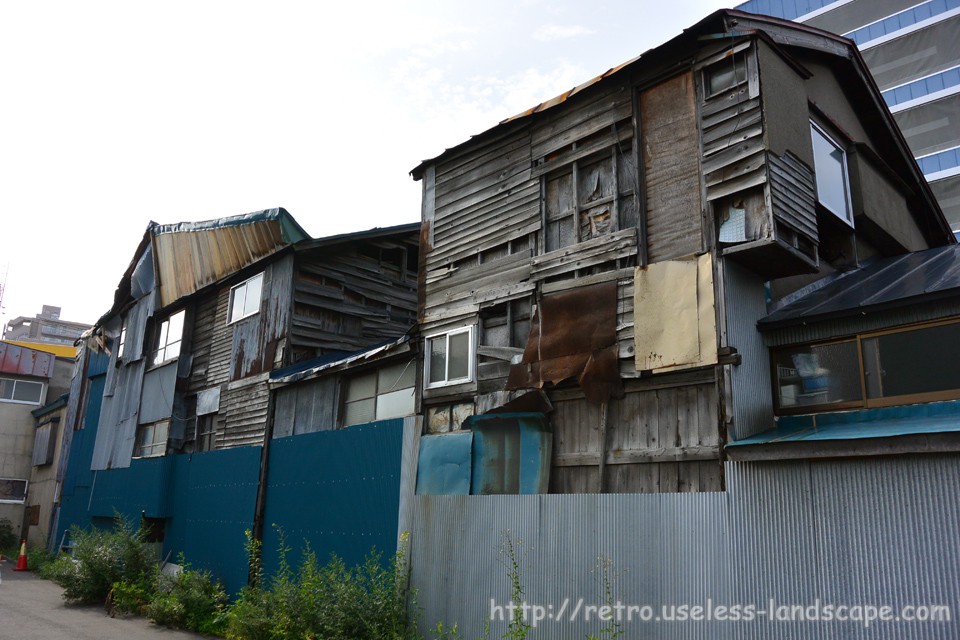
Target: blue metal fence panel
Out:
[138,490]
[337,491]
[212,501]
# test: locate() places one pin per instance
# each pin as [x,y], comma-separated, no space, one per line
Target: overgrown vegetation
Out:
[9,544]
[101,558]
[324,601]
[117,568]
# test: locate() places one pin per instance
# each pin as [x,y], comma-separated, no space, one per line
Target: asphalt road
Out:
[33,609]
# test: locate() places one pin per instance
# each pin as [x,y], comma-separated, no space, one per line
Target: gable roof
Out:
[679,52]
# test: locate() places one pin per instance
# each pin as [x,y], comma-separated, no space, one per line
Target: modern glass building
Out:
[913,50]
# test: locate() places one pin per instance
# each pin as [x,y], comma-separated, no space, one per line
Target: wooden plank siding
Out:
[352,297]
[657,440]
[671,168]
[492,258]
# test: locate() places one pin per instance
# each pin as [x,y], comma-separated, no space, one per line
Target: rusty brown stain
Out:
[573,335]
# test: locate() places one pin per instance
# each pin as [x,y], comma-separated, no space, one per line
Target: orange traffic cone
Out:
[22,559]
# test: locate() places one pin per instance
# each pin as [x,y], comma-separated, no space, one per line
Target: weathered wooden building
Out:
[207,310]
[612,249]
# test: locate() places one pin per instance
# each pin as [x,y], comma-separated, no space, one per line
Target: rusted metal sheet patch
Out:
[573,334]
[24,361]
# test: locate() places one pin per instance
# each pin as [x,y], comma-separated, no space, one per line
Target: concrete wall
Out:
[16,448]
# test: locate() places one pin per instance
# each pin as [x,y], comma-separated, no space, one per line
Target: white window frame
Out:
[233,293]
[847,216]
[470,330]
[138,445]
[163,333]
[13,393]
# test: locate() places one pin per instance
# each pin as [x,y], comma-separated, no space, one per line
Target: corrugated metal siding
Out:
[827,329]
[750,380]
[337,491]
[871,531]
[24,361]
[305,407]
[211,505]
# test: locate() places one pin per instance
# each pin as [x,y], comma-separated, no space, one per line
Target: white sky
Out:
[118,113]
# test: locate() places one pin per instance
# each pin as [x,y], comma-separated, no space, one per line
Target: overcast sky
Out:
[119,113]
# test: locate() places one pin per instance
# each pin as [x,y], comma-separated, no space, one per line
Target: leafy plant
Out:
[101,558]
[8,539]
[192,599]
[37,559]
[511,556]
[332,601]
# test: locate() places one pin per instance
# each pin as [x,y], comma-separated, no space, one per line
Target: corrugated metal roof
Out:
[879,284]
[937,417]
[315,366]
[23,361]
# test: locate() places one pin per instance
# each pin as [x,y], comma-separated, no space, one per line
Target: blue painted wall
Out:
[337,491]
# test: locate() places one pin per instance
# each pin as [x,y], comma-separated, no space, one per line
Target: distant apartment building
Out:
[911,49]
[45,328]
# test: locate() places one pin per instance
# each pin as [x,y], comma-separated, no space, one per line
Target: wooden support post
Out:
[601,485]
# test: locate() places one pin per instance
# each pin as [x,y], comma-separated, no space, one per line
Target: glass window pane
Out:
[27,391]
[437,348]
[176,327]
[831,175]
[6,389]
[396,376]
[459,356]
[254,288]
[160,433]
[358,412]
[172,351]
[909,362]
[818,375]
[395,404]
[238,302]
[364,386]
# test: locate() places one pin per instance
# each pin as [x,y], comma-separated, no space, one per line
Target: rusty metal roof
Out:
[191,255]
[23,361]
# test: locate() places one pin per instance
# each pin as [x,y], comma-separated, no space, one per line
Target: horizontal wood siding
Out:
[793,194]
[671,168]
[257,339]
[350,299]
[244,407]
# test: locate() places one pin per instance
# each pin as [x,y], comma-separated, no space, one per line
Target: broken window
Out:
[590,196]
[152,439]
[245,299]
[121,347]
[449,357]
[385,393]
[168,338]
[20,391]
[450,417]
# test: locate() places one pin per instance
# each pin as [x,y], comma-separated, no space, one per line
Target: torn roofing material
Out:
[879,284]
[335,361]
